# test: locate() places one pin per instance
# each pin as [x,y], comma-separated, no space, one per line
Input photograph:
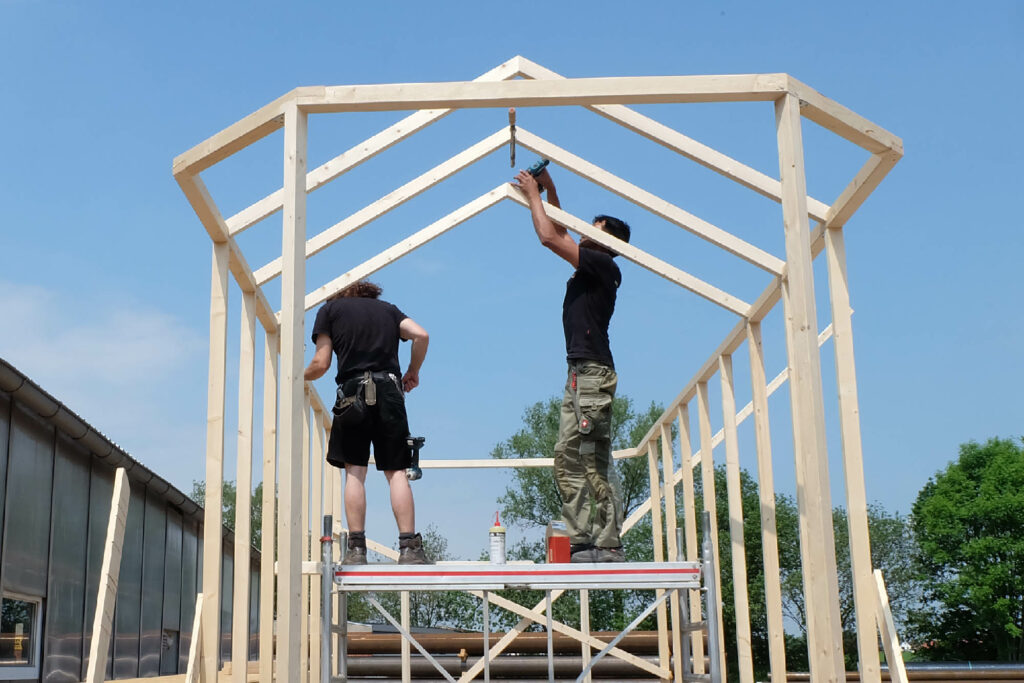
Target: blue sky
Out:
[104,287]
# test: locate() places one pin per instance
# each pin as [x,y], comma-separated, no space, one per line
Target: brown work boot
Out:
[410,550]
[356,552]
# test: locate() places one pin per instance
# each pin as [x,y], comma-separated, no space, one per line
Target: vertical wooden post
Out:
[707,470]
[293,291]
[329,469]
[243,492]
[212,536]
[304,624]
[766,492]
[267,542]
[659,550]
[741,599]
[334,479]
[853,460]
[668,473]
[690,530]
[110,570]
[317,463]
[817,547]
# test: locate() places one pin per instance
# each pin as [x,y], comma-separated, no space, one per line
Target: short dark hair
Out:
[614,227]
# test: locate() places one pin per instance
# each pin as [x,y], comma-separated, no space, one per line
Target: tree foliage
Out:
[969,524]
[532,499]
[891,549]
[229,497]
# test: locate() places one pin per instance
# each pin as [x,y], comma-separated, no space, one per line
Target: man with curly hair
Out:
[363,332]
[583,454]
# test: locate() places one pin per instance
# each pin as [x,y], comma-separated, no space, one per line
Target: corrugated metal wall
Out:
[54,505]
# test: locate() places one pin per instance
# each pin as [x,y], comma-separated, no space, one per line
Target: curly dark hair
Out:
[360,288]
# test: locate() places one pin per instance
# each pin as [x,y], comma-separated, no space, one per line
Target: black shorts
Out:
[386,426]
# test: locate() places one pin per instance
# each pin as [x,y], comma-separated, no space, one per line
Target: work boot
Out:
[582,552]
[410,549]
[609,554]
[356,552]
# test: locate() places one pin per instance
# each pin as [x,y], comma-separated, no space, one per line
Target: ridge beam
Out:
[535,93]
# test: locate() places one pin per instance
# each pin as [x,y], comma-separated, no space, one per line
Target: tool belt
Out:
[351,410]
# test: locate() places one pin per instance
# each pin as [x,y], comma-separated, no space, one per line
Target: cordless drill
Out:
[415,443]
[537,167]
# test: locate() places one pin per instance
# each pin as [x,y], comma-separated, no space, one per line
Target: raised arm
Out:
[547,184]
[554,237]
[408,329]
[321,362]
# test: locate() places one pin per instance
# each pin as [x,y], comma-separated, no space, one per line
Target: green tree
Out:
[228,504]
[969,523]
[789,564]
[892,550]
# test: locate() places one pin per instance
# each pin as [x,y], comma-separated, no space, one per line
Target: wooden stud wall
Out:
[307,488]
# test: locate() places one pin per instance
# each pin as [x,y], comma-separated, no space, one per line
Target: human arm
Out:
[408,329]
[554,237]
[321,362]
[547,184]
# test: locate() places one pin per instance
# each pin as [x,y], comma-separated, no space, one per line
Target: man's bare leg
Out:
[355,497]
[401,500]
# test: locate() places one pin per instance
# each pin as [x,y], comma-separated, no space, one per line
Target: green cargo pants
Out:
[583,456]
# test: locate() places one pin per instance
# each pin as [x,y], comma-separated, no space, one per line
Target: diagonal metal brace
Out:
[408,636]
[616,639]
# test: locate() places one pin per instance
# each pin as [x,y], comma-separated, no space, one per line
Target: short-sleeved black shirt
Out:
[588,306]
[363,332]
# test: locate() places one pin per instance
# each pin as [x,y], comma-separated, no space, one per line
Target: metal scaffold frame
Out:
[480,579]
[296,427]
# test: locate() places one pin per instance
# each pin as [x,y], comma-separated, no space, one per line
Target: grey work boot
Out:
[582,552]
[609,554]
[410,551]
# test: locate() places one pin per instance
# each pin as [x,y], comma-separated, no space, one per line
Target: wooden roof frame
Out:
[520,82]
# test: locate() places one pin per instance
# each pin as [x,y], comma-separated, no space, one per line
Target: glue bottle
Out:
[497,542]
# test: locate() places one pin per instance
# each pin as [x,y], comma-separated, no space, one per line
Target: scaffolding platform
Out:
[485,576]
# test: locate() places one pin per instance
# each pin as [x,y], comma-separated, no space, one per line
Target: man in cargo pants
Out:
[583,457]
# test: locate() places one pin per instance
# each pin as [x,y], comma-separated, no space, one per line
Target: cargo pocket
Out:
[595,412]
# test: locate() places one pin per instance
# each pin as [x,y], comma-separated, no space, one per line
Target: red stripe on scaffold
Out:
[496,574]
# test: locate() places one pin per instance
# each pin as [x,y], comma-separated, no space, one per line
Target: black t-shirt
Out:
[363,332]
[588,306]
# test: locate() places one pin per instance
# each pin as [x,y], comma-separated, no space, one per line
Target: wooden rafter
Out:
[652,203]
[392,200]
[640,257]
